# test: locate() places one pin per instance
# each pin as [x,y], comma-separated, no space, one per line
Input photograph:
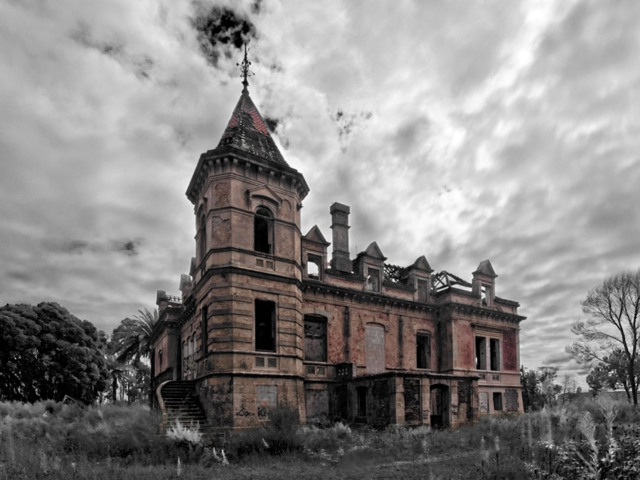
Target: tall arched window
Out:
[263,231]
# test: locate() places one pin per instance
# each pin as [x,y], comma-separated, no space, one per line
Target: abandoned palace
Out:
[268,317]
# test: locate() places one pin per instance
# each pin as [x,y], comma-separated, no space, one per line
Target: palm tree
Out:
[132,338]
[118,373]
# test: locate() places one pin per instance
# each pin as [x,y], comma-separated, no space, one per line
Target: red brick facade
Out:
[266,317]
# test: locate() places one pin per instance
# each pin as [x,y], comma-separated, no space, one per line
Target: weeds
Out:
[180,433]
[600,440]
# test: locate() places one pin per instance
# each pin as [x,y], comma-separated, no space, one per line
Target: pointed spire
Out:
[244,68]
[247,131]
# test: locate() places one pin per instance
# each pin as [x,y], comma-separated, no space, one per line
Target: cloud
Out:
[501,130]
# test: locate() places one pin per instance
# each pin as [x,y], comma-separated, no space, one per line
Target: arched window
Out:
[263,231]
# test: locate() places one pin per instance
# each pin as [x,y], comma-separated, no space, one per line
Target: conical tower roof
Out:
[247,132]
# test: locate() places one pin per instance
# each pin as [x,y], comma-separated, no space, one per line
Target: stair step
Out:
[181,403]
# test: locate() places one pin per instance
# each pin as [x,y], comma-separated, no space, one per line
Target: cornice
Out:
[362,296]
[231,156]
[461,308]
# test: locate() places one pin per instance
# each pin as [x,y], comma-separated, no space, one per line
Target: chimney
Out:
[340,225]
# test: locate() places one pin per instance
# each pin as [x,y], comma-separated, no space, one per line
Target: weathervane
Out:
[244,68]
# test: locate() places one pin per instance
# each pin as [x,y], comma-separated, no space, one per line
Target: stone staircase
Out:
[179,400]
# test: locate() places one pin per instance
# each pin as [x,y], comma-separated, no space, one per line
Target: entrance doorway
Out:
[439,406]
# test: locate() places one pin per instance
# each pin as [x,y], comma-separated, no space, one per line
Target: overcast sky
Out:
[459,130]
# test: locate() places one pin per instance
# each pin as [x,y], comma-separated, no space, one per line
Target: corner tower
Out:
[243,338]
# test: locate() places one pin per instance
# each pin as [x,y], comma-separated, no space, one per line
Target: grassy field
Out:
[49,440]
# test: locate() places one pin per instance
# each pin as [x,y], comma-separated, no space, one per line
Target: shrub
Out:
[180,433]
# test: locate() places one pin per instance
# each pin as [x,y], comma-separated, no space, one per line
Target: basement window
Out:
[265,325]
[423,350]
[263,231]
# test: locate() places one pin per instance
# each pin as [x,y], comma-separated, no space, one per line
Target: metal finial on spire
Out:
[244,68]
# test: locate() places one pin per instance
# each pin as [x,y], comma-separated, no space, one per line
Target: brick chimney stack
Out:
[340,225]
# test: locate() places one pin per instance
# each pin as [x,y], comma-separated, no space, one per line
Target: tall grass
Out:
[596,440]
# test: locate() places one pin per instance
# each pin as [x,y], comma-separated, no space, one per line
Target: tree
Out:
[132,338]
[570,389]
[47,353]
[131,341]
[532,398]
[119,373]
[538,387]
[550,389]
[600,379]
[612,325]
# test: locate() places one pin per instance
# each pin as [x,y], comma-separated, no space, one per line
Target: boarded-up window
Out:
[317,403]
[412,397]
[374,348]
[265,313]
[510,350]
[266,398]
[483,402]
[315,338]
[511,400]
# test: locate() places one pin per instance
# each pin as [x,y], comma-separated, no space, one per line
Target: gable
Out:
[315,235]
[421,264]
[486,268]
[374,251]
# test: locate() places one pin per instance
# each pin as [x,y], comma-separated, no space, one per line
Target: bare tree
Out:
[612,323]
[569,389]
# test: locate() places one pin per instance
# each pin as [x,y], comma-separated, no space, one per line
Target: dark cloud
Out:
[221,30]
[127,247]
[81,247]
[347,122]
[272,123]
